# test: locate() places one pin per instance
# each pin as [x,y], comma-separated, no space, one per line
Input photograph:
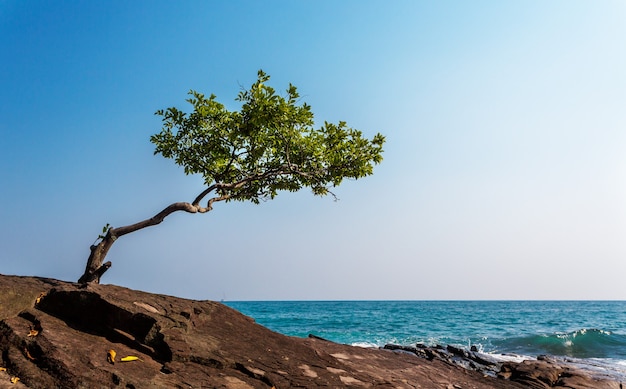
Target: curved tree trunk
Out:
[95,268]
[95,263]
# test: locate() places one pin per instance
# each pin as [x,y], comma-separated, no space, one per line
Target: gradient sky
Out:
[505,165]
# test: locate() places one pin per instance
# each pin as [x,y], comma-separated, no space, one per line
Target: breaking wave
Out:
[584,343]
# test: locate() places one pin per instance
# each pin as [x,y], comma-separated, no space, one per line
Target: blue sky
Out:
[504,174]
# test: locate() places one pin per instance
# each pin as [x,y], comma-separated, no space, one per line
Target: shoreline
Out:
[60,334]
[553,371]
[584,334]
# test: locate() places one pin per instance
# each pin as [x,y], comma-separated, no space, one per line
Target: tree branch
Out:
[156,219]
[199,198]
[216,199]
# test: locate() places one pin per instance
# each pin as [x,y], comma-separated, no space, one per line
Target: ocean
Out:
[590,333]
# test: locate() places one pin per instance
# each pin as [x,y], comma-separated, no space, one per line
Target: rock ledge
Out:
[55,334]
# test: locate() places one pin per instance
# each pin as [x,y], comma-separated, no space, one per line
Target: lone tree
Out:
[269,145]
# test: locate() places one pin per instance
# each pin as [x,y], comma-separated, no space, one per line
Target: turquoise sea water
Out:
[589,331]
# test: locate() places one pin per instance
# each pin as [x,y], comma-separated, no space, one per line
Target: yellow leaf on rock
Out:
[3,369]
[14,380]
[33,333]
[130,358]
[111,356]
[41,295]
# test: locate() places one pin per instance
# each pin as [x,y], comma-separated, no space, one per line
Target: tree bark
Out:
[95,268]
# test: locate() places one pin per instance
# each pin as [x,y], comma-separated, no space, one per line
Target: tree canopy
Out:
[269,145]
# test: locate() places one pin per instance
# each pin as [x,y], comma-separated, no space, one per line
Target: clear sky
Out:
[505,165]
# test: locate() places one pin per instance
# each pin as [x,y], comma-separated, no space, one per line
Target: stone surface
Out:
[545,372]
[62,341]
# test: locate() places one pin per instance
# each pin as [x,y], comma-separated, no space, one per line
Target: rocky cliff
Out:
[55,334]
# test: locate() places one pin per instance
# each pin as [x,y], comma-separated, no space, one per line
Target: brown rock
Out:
[183,344]
[550,373]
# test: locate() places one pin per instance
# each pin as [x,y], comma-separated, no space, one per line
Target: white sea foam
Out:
[602,368]
[596,367]
[510,357]
[365,345]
